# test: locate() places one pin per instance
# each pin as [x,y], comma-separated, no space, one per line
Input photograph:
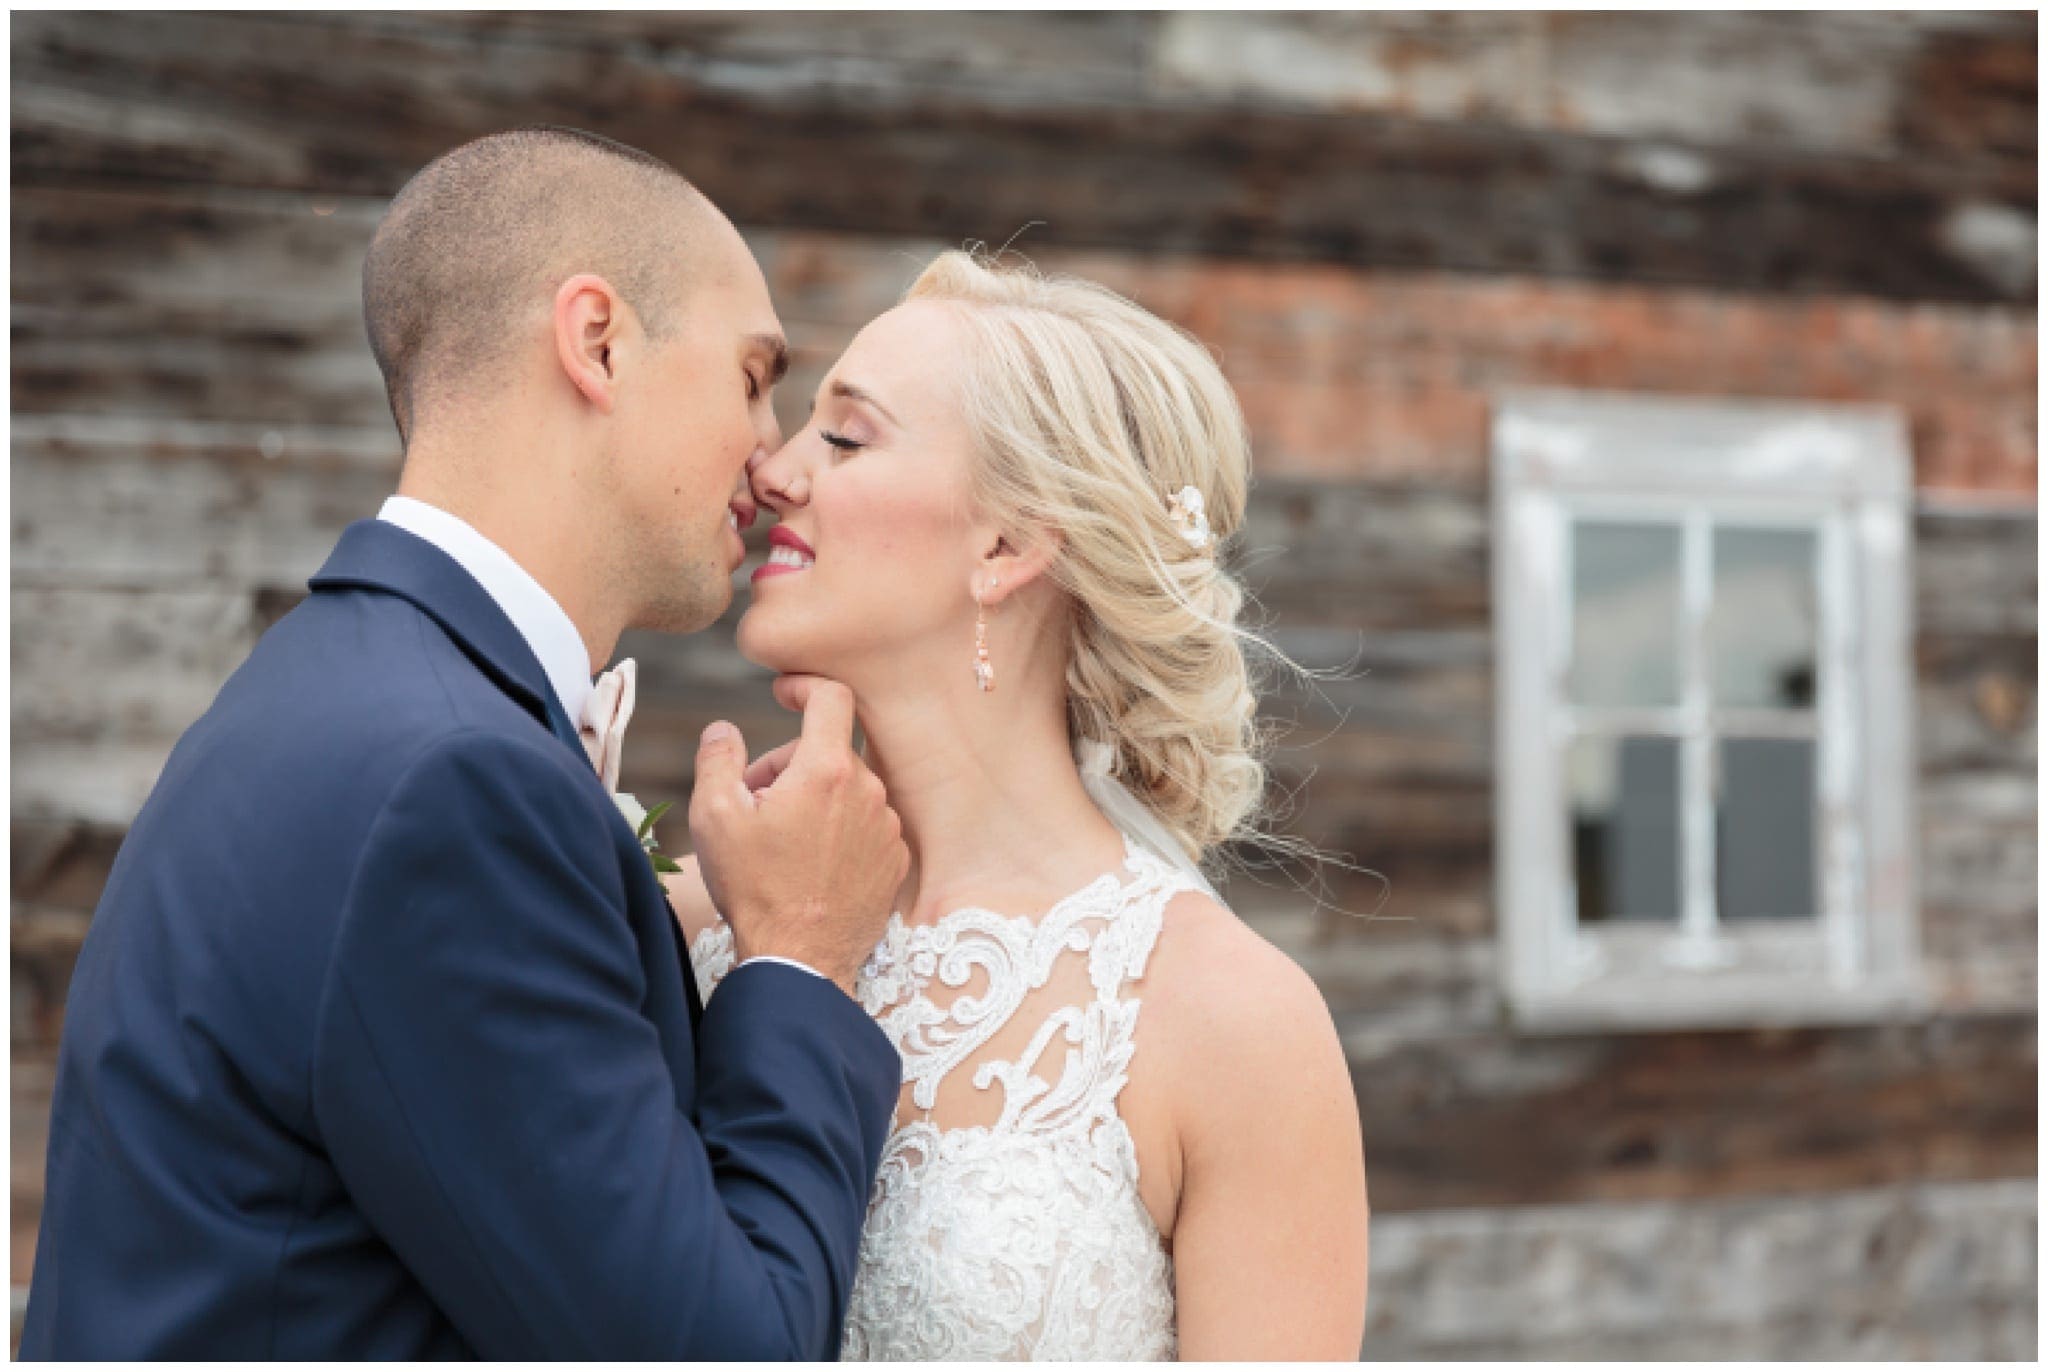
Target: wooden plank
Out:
[60,865]
[1944,1271]
[1493,1120]
[1977,722]
[1978,837]
[107,665]
[1399,556]
[1852,84]
[1856,84]
[334,106]
[104,683]
[1032,58]
[1975,572]
[220,307]
[112,503]
[1977,709]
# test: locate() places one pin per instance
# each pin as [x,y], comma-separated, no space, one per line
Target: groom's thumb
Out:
[721,765]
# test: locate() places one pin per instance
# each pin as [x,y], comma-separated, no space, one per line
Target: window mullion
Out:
[1838,758]
[1699,917]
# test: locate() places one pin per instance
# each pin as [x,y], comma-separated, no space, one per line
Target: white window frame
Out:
[1844,470]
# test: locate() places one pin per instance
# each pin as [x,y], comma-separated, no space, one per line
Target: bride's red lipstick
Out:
[781,537]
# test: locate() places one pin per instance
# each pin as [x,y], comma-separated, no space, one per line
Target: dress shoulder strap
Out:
[1123,947]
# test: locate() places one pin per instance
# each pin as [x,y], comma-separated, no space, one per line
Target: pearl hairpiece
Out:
[1185,508]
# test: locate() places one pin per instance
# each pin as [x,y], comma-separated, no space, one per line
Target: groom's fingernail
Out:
[718,733]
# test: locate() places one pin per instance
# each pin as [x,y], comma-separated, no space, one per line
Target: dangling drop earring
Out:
[984,670]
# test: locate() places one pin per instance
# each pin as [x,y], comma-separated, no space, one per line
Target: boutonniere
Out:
[605,716]
[643,829]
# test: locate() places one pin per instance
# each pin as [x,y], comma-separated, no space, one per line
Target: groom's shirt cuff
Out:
[786,962]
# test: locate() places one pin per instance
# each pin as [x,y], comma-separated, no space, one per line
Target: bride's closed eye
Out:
[841,441]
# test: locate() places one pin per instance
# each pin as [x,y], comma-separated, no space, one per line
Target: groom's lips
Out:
[740,514]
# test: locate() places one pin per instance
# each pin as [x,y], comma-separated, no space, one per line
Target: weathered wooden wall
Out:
[1378,221]
[1885,155]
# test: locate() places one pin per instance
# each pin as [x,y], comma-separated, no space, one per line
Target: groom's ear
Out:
[589,319]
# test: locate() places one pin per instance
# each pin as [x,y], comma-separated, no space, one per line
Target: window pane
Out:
[1624,614]
[1762,631]
[1764,803]
[1625,837]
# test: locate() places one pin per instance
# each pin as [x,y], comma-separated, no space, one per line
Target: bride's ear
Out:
[1010,568]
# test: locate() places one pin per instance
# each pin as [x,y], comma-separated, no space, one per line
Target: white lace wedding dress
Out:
[1006,1221]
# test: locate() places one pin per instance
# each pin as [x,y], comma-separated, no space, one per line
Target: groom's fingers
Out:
[791,690]
[721,768]
[763,770]
[828,715]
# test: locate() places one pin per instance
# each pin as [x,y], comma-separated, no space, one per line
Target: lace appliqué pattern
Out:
[1025,1237]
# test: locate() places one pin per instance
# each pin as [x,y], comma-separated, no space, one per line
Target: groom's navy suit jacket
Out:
[383,1042]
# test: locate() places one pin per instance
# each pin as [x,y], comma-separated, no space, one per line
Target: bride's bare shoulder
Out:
[1210,962]
[1238,1019]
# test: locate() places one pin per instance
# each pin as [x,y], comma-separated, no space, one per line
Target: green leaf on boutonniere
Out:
[662,864]
[647,820]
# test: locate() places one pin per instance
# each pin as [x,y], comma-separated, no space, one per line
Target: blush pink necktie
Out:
[605,716]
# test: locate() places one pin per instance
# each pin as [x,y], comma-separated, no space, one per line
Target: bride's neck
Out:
[991,801]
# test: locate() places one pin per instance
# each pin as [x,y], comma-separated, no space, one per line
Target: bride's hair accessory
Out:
[1185,509]
[984,670]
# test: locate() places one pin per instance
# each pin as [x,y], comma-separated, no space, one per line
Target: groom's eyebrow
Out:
[778,355]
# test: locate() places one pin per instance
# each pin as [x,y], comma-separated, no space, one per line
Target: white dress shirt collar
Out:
[542,622]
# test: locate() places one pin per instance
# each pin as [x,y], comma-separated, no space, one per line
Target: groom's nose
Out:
[768,429]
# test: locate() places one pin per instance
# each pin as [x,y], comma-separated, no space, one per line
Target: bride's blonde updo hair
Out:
[1091,413]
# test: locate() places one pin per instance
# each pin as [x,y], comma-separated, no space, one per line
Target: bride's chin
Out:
[759,645]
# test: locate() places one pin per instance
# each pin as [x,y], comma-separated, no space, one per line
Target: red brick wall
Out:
[1377,375]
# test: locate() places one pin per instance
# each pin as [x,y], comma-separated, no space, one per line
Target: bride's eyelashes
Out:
[841,441]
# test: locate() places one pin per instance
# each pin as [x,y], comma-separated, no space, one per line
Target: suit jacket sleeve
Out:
[503,1114]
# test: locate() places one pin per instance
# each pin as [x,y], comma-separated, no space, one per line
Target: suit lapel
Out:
[558,720]
[377,555]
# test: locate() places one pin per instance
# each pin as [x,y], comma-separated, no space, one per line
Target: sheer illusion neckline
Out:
[1026,1235]
[1116,880]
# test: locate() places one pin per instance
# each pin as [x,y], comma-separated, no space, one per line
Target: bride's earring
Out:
[984,671]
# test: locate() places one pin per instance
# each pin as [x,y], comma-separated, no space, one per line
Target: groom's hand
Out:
[801,851]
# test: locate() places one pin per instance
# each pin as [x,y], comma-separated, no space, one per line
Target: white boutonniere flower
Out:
[643,829]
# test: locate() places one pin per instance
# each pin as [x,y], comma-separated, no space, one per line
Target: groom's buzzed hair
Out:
[483,234]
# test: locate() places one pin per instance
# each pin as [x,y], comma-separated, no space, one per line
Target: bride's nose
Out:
[779,480]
